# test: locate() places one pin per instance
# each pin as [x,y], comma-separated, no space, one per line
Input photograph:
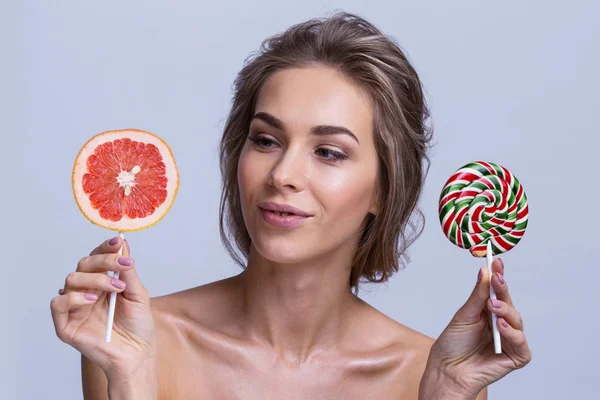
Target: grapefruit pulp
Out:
[125,180]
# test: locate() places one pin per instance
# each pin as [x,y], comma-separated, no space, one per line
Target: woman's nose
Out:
[290,171]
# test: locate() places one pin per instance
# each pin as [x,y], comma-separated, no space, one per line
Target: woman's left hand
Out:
[462,360]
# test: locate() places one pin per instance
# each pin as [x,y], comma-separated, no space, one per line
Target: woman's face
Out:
[311,146]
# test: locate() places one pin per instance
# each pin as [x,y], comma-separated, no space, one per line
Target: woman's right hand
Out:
[80,313]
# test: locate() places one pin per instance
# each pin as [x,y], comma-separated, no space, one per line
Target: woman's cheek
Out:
[248,167]
[245,175]
[352,188]
[341,183]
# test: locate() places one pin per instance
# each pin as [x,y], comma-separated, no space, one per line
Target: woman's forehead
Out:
[305,97]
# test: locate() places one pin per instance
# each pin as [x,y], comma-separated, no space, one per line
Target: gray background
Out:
[514,82]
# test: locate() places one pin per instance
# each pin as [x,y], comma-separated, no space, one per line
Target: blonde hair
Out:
[373,61]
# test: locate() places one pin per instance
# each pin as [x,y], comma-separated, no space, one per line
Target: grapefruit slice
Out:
[125,180]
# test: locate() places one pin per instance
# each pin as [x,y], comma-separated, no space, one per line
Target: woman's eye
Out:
[325,153]
[331,155]
[262,141]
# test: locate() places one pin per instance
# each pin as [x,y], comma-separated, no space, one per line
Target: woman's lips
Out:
[285,221]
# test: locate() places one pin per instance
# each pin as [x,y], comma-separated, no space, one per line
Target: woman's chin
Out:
[281,253]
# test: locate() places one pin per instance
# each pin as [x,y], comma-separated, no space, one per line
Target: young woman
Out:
[323,158]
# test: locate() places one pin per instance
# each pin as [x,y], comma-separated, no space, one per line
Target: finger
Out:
[501,289]
[104,263]
[61,305]
[82,281]
[509,313]
[135,290]
[516,347]
[498,266]
[470,312]
[108,246]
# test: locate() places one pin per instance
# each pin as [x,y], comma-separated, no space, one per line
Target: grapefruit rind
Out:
[126,224]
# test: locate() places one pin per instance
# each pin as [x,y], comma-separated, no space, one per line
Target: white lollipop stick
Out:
[490,258]
[113,298]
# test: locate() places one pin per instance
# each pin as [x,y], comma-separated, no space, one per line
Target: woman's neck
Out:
[298,309]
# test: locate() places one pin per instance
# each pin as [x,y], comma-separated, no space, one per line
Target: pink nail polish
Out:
[504,323]
[125,261]
[90,296]
[113,241]
[479,276]
[496,303]
[501,264]
[117,283]
[500,278]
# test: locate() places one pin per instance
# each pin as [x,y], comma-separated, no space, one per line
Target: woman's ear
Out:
[374,208]
[375,202]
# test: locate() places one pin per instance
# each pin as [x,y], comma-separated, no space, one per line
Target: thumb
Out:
[470,312]
[135,290]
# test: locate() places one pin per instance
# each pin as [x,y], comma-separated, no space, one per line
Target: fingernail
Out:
[125,261]
[113,241]
[500,278]
[90,296]
[504,323]
[117,283]
[496,303]
[501,264]
[479,275]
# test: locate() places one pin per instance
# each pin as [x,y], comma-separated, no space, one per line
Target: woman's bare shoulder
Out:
[402,347]
[192,327]
[385,351]
[385,330]
[204,305]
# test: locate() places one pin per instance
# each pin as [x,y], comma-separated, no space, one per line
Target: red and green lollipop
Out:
[483,208]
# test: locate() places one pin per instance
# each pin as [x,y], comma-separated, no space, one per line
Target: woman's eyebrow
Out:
[319,130]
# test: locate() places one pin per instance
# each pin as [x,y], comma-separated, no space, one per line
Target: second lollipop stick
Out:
[490,258]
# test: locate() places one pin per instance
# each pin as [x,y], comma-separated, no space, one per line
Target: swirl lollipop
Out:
[483,208]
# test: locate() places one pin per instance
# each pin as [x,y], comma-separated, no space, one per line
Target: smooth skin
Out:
[289,325]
